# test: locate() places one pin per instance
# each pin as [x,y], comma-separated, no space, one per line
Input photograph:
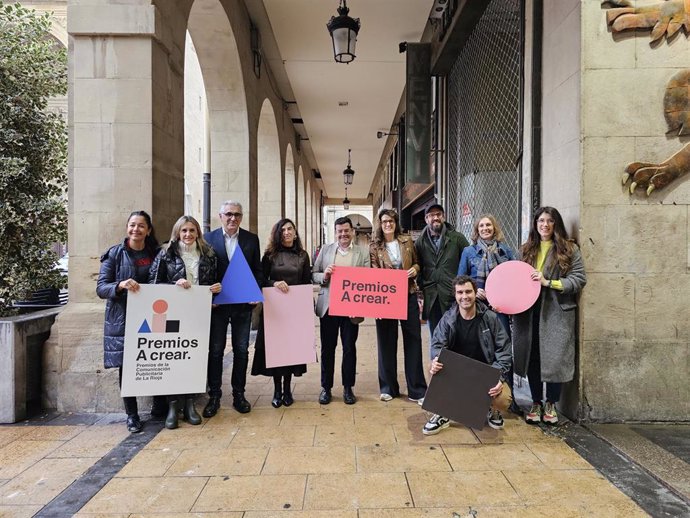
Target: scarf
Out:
[490,256]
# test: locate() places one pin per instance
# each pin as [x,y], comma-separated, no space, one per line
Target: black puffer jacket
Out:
[116,265]
[168,267]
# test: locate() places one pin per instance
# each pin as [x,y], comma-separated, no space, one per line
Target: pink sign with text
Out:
[368,292]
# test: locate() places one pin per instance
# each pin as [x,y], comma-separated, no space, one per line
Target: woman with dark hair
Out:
[123,267]
[185,261]
[544,335]
[394,250]
[285,263]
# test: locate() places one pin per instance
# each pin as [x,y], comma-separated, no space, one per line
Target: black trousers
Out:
[330,327]
[387,342]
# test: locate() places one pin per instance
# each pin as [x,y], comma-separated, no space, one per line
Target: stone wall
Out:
[634,355]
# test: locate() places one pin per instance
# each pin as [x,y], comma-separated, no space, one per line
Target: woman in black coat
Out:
[185,261]
[123,267]
[285,263]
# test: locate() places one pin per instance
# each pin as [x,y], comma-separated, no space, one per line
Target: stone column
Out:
[125,154]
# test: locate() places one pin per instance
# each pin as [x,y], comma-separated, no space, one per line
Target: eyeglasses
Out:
[230,215]
[387,221]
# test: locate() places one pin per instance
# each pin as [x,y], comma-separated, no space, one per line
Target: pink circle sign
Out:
[510,288]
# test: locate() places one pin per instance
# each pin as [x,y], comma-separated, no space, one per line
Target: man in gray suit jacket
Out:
[341,253]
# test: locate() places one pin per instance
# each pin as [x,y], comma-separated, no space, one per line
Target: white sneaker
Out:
[550,415]
[419,401]
[385,397]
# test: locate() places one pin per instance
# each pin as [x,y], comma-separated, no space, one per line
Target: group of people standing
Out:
[543,337]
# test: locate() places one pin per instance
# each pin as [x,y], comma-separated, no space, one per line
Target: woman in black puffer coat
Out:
[185,261]
[123,268]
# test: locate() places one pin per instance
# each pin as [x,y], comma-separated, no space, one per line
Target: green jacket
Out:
[439,269]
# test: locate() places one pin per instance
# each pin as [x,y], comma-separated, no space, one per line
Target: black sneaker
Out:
[495,419]
[133,424]
[435,424]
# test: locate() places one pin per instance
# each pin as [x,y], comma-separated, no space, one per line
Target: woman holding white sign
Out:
[185,261]
[123,267]
[285,263]
[392,249]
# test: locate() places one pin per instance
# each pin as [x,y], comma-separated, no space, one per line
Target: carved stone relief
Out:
[663,19]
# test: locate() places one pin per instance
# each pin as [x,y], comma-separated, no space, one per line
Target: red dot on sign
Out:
[160,306]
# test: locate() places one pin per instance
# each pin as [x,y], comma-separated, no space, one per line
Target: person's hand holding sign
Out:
[436,366]
[281,285]
[215,288]
[184,283]
[411,273]
[495,391]
[328,271]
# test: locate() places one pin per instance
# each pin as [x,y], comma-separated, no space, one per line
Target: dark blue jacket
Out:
[116,266]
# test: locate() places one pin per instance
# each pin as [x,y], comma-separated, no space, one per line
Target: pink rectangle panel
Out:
[368,292]
[289,326]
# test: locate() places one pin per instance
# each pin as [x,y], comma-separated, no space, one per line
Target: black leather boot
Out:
[133,422]
[277,393]
[159,408]
[171,419]
[211,407]
[189,411]
[287,391]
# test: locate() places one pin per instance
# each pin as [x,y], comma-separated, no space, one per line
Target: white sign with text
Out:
[166,340]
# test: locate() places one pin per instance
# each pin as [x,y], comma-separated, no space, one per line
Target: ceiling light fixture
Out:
[346,201]
[348,173]
[343,30]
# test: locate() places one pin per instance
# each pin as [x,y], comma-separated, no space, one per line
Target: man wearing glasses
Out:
[439,248]
[227,240]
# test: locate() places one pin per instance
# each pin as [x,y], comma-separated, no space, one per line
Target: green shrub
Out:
[33,154]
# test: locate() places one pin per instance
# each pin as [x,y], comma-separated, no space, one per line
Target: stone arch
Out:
[290,201]
[225,133]
[268,167]
[301,205]
[308,227]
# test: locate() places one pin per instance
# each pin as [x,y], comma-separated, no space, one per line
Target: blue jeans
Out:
[239,316]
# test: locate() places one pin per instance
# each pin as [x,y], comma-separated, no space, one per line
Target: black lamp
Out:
[348,173]
[343,30]
[346,201]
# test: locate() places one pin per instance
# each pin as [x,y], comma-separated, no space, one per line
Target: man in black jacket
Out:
[474,331]
[439,248]
[225,240]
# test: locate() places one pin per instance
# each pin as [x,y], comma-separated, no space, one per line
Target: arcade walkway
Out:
[369,460]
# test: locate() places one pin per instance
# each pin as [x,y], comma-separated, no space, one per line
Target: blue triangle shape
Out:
[144,327]
[239,284]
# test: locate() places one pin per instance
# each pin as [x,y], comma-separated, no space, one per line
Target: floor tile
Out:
[43,481]
[355,491]
[231,418]
[269,436]
[228,514]
[458,489]
[148,495]
[429,512]
[12,433]
[300,514]
[315,416]
[376,415]
[515,431]
[192,437]
[454,434]
[19,511]
[252,493]
[306,460]
[358,435]
[558,455]
[149,463]
[492,457]
[54,433]
[96,441]
[574,487]
[602,509]
[19,455]
[401,458]
[214,462]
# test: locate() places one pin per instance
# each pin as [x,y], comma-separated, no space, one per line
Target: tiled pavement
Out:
[368,460]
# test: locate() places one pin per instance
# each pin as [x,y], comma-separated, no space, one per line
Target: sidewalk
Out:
[368,460]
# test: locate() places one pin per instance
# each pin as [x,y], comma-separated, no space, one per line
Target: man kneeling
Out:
[474,331]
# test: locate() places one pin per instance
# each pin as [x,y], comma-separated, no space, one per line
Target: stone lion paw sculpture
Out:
[664,19]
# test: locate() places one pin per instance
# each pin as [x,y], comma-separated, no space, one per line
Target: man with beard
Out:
[439,248]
